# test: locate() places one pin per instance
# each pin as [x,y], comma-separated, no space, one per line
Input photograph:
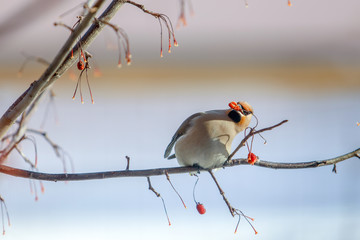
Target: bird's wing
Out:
[181,131]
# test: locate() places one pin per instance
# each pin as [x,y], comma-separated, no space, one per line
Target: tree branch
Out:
[61,62]
[162,171]
[90,35]
[158,195]
[222,193]
[252,133]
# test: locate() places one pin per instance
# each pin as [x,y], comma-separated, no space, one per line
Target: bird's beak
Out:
[245,108]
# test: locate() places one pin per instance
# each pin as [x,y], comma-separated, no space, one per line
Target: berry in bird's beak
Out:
[234,106]
[242,107]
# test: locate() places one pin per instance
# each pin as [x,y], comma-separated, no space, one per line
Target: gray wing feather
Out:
[181,131]
[171,157]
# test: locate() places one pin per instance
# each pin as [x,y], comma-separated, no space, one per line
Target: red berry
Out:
[80,65]
[252,158]
[233,105]
[200,208]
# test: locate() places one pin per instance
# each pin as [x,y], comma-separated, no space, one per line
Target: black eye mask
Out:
[235,116]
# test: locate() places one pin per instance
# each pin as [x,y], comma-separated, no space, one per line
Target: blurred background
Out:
[299,63]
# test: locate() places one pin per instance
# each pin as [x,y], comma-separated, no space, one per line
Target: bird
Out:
[204,139]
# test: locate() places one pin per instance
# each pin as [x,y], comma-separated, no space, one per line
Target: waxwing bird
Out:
[204,139]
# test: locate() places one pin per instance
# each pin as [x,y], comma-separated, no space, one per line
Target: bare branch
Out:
[298,165]
[4,208]
[161,171]
[26,159]
[151,188]
[252,133]
[158,195]
[59,151]
[122,40]
[231,209]
[62,62]
[47,139]
[38,87]
[127,163]
[5,153]
[177,193]
[160,17]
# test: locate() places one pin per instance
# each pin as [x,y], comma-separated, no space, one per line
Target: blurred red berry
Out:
[80,65]
[233,105]
[252,158]
[200,208]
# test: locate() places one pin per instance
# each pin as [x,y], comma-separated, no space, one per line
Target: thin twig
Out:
[233,211]
[252,133]
[151,188]
[222,193]
[59,151]
[5,153]
[47,139]
[128,163]
[334,170]
[26,159]
[160,17]
[177,193]
[90,35]
[4,208]
[122,40]
[158,195]
[181,18]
